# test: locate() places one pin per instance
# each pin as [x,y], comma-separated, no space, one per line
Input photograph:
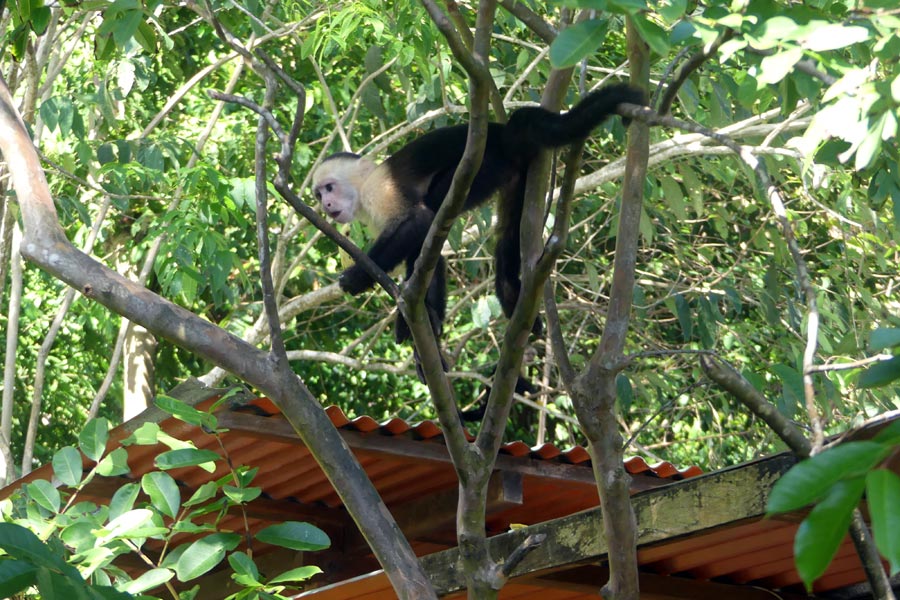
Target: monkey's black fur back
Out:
[409,187]
[509,148]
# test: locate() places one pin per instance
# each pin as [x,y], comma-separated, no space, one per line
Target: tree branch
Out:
[46,245]
[691,65]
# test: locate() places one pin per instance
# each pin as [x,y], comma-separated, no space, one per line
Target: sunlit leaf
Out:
[149,580]
[126,523]
[163,492]
[241,495]
[183,412]
[113,464]
[298,574]
[481,313]
[774,68]
[144,435]
[811,479]
[832,36]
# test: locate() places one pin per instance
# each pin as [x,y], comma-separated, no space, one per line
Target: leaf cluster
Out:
[55,545]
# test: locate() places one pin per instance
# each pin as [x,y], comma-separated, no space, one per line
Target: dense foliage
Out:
[63,546]
[149,171]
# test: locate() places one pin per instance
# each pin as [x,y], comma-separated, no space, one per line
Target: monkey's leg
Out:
[507,255]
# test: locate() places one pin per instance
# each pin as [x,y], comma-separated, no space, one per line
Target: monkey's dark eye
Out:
[329,187]
[317,194]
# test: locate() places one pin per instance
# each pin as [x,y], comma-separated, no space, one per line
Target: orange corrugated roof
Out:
[409,466]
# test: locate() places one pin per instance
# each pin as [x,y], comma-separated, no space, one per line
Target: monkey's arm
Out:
[400,241]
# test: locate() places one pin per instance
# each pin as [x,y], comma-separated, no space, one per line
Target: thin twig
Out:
[691,65]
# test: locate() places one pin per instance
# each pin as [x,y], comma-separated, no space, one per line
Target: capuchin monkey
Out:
[398,199]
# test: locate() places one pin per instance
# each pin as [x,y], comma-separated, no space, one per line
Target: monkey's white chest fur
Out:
[379,200]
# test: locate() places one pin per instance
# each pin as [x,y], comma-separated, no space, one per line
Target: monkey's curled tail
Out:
[532,128]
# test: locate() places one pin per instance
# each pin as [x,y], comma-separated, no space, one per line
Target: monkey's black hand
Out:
[355,280]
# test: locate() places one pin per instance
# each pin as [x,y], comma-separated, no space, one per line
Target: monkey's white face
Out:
[338,197]
[337,182]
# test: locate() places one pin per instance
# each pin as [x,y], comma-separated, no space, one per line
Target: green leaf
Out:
[16,576]
[40,19]
[92,439]
[245,571]
[821,532]
[125,77]
[188,457]
[653,34]
[80,536]
[883,497]
[43,492]
[51,584]
[672,10]
[149,580]
[183,412]
[811,479]
[163,492]
[241,495]
[243,192]
[578,41]
[126,25]
[775,30]
[870,146]
[298,574]
[113,464]
[626,7]
[294,535]
[648,232]
[25,7]
[593,276]
[774,68]
[145,435]
[203,493]
[123,500]
[881,373]
[146,37]
[673,196]
[683,311]
[624,392]
[126,524]
[792,394]
[49,112]
[67,465]
[832,36]
[22,544]
[481,313]
[204,554]
[890,434]
[105,154]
